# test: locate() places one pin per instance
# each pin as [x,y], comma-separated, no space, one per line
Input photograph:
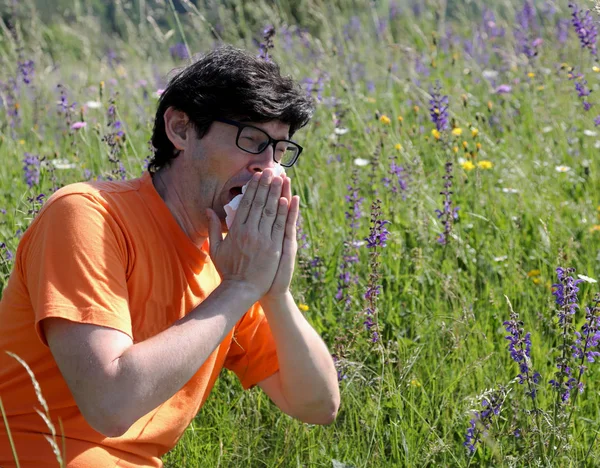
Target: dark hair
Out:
[228,83]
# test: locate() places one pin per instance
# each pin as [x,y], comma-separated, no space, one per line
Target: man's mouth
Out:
[234,192]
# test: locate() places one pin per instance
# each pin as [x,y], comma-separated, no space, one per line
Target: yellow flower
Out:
[435,134]
[415,383]
[465,144]
[102,85]
[484,164]
[534,273]
[596,227]
[474,132]
[457,131]
[384,119]
[596,69]
[398,146]
[468,166]
[490,105]
[21,142]
[537,280]
[416,109]
[531,75]
[303,307]
[478,145]
[400,119]
[455,149]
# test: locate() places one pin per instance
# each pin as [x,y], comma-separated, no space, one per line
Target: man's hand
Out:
[252,251]
[285,272]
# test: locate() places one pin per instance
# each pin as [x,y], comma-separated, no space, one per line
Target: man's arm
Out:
[306,386]
[115,382]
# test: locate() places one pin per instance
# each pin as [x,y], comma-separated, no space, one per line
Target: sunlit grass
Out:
[525,179]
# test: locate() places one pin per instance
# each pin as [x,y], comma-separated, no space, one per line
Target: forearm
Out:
[152,371]
[307,373]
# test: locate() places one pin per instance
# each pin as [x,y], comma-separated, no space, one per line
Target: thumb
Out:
[215,237]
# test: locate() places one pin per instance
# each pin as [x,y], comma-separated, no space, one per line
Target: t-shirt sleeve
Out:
[252,354]
[75,263]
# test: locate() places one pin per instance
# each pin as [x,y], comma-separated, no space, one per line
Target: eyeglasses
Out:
[254,140]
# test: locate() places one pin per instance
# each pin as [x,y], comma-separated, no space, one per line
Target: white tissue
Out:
[233,205]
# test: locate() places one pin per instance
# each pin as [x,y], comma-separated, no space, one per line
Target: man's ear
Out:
[176,123]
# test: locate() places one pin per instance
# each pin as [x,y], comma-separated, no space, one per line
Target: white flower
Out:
[501,259]
[361,162]
[587,279]
[590,132]
[546,129]
[509,190]
[93,104]
[341,131]
[562,168]
[490,74]
[63,164]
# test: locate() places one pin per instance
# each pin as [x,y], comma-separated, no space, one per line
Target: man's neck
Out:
[166,187]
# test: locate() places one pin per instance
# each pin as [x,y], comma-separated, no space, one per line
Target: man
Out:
[126,301]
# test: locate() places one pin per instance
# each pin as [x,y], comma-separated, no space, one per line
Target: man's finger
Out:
[287,189]
[246,201]
[260,198]
[270,211]
[279,226]
[293,211]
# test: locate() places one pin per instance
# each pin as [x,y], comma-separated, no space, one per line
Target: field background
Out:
[521,149]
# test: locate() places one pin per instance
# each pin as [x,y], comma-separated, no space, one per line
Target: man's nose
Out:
[264,160]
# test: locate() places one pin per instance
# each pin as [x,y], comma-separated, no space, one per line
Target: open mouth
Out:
[234,192]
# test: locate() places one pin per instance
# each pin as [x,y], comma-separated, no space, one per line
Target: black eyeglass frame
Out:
[272,142]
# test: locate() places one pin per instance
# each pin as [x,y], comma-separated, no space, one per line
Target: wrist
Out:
[275,300]
[241,289]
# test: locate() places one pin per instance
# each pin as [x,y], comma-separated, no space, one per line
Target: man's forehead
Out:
[276,128]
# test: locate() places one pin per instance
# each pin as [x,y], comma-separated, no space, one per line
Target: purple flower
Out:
[448,214]
[179,51]
[31,169]
[438,109]
[26,69]
[581,87]
[584,27]
[503,89]
[78,125]
[264,47]
[482,420]
[527,30]
[7,255]
[519,347]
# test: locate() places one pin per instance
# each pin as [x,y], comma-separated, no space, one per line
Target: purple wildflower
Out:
[264,47]
[527,30]
[26,69]
[31,169]
[179,51]
[584,27]
[482,420]
[78,125]
[346,276]
[439,108]
[448,214]
[503,89]
[5,254]
[562,30]
[581,87]
[377,238]
[520,351]
[597,120]
[565,292]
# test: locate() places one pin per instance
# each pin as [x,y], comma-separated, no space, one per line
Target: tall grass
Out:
[523,168]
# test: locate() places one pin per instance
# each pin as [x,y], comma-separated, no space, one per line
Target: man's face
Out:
[215,169]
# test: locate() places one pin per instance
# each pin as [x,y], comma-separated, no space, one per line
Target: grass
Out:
[408,398]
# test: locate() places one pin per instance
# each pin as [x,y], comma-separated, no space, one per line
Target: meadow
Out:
[450,210]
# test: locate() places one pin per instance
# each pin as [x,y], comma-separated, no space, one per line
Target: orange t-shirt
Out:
[110,254]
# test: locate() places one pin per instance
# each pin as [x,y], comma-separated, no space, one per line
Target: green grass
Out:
[407,399]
